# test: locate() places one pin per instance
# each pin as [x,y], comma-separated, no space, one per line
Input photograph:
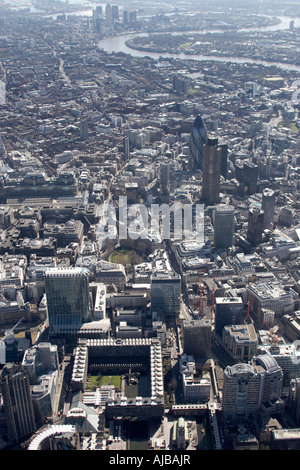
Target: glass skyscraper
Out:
[255,225]
[68,299]
[165,293]
[223,226]
[198,137]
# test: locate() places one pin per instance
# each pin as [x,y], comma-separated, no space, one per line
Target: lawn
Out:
[95,381]
[186,45]
[125,257]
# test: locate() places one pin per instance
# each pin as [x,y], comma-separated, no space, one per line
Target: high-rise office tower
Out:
[68,299]
[108,12]
[228,311]
[99,10]
[211,171]
[198,137]
[125,16]
[39,359]
[115,12]
[250,178]
[268,206]
[250,387]
[83,130]
[224,148]
[240,396]
[132,16]
[223,218]
[126,148]
[166,179]
[18,408]
[251,88]
[294,399]
[255,225]
[180,84]
[197,338]
[165,294]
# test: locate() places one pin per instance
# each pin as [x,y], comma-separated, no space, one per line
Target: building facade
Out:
[268,206]
[255,225]
[197,338]
[18,407]
[166,294]
[241,341]
[228,311]
[198,137]
[251,387]
[223,226]
[211,171]
[68,299]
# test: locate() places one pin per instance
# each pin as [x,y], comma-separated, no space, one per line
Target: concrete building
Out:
[111,274]
[39,359]
[270,294]
[180,434]
[285,439]
[223,218]
[268,206]
[64,234]
[55,437]
[251,387]
[140,353]
[255,225]
[197,338]
[43,397]
[100,302]
[288,358]
[211,172]
[195,389]
[241,341]
[243,265]
[250,178]
[166,179]
[18,407]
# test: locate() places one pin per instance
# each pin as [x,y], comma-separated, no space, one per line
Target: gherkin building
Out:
[198,137]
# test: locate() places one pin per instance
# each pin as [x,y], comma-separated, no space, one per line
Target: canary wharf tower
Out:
[198,137]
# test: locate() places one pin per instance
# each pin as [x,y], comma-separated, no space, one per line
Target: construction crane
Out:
[248,319]
[248,309]
[17,324]
[9,334]
[275,337]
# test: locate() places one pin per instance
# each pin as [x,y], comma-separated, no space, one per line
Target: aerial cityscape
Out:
[149,227]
